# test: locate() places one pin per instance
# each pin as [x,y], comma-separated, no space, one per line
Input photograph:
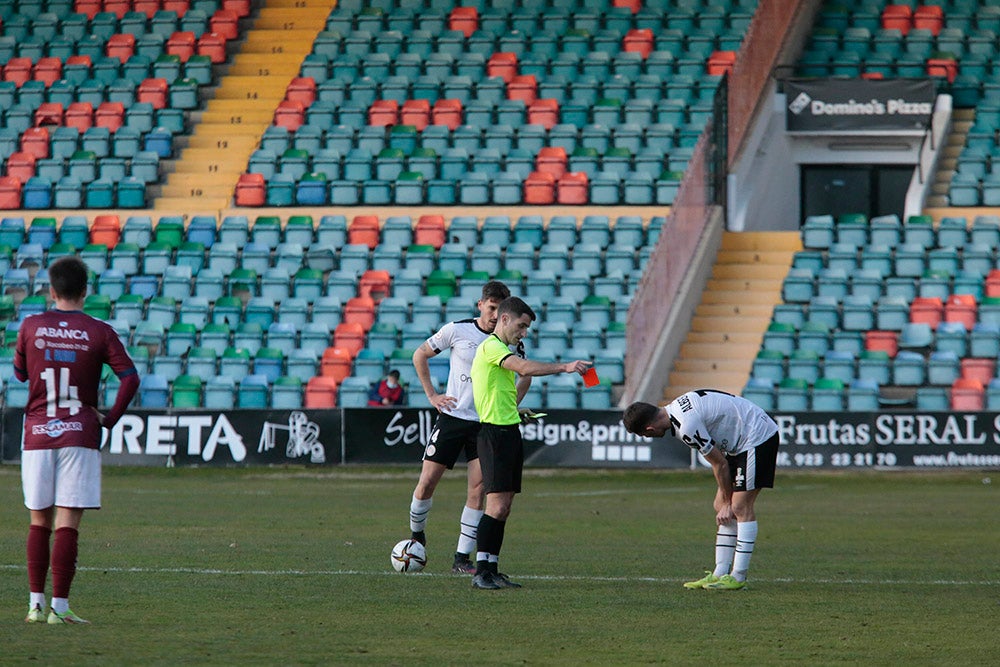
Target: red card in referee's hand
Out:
[590,378]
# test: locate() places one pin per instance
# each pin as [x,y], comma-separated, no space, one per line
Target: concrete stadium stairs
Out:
[961,121]
[228,130]
[735,310]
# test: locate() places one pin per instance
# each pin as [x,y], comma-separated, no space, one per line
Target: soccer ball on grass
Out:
[408,556]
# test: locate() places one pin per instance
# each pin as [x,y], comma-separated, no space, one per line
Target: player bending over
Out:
[740,441]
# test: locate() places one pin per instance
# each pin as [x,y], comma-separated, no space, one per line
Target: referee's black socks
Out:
[489,539]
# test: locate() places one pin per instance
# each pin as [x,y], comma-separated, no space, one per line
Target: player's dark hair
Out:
[68,277]
[494,290]
[394,373]
[513,305]
[638,416]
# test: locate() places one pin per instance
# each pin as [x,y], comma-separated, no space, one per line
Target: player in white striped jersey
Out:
[457,424]
[740,441]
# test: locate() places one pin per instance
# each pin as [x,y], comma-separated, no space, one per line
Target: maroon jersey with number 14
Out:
[61,354]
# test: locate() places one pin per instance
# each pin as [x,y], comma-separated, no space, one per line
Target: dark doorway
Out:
[870,189]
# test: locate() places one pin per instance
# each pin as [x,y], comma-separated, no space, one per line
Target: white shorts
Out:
[66,477]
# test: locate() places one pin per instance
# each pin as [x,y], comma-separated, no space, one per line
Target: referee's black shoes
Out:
[504,581]
[485,581]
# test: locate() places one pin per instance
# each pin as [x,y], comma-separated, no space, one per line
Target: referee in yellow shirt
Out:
[501,450]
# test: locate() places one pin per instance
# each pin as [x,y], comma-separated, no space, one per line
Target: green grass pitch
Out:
[291,567]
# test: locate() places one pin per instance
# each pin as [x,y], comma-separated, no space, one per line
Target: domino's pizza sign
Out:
[858,105]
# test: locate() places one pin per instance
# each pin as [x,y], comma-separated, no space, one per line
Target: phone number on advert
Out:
[839,459]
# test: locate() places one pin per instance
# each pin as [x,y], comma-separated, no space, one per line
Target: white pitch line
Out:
[532,577]
[610,492]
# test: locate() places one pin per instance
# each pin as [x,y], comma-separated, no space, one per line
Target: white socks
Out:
[418,513]
[469,528]
[36,600]
[725,547]
[60,605]
[746,536]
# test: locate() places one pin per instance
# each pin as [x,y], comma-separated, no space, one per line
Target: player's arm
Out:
[720,468]
[529,368]
[523,384]
[20,361]
[124,368]
[423,369]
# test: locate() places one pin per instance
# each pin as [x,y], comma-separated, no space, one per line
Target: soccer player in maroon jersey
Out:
[60,354]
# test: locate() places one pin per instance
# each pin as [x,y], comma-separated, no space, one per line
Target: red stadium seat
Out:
[502,64]
[961,308]
[240,7]
[639,40]
[121,46]
[430,230]
[967,395]
[544,112]
[251,190]
[899,17]
[980,369]
[107,229]
[927,309]
[721,62]
[551,160]
[539,188]
[634,5]
[321,392]
[110,115]
[290,114]
[10,193]
[79,115]
[35,140]
[360,309]
[226,23]
[49,113]
[183,44]
[929,17]
[416,113]
[213,45]
[363,230]
[886,341]
[464,19]
[992,283]
[301,89]
[523,87]
[336,363]
[117,7]
[21,165]
[942,67]
[153,91]
[383,112]
[88,7]
[17,70]
[573,187]
[47,70]
[349,336]
[179,6]
[447,112]
[147,7]
[375,284]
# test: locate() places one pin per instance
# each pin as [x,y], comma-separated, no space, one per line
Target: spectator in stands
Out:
[388,392]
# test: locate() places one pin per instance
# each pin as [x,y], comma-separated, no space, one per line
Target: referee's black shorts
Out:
[501,456]
[450,437]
